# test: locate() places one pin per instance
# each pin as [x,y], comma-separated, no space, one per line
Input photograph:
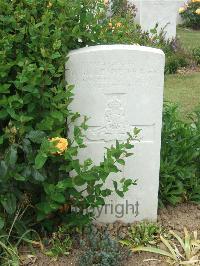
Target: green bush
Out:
[35,154]
[101,250]
[122,7]
[180,158]
[196,55]
[172,65]
[175,61]
[142,234]
[191,14]
[34,110]
[60,243]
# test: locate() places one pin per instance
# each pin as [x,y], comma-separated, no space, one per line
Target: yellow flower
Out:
[197,11]
[181,10]
[49,5]
[106,2]
[60,143]
[118,25]
[110,25]
[194,1]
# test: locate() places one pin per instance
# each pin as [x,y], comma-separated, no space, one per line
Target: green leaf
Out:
[2,223]
[73,151]
[57,115]
[53,193]
[136,131]
[76,166]
[156,251]
[49,188]
[75,116]
[36,136]
[99,202]
[3,114]
[120,193]
[77,131]
[103,176]
[19,177]
[26,172]
[129,154]
[38,176]
[55,55]
[11,156]
[129,146]
[57,44]
[126,242]
[1,140]
[121,161]
[67,183]
[106,192]
[44,207]
[127,184]
[115,185]
[40,160]
[8,201]
[4,88]
[25,118]
[78,181]
[88,176]
[12,113]
[3,169]
[40,216]
[113,169]
[58,197]
[46,124]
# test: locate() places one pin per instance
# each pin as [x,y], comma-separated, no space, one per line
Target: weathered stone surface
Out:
[163,12]
[121,87]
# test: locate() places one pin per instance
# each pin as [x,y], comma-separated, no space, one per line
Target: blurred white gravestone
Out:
[136,3]
[181,3]
[120,87]
[163,12]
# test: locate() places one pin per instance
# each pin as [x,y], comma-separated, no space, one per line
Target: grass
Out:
[183,89]
[189,38]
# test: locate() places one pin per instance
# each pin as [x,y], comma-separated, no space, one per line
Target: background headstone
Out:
[163,12]
[137,6]
[121,87]
[181,3]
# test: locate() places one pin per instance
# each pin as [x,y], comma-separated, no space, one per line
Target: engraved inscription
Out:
[116,125]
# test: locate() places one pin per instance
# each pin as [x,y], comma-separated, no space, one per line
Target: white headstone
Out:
[120,87]
[137,7]
[181,3]
[163,12]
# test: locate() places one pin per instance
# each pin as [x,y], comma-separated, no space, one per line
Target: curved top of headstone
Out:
[117,47]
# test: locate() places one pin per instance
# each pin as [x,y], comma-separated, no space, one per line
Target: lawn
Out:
[189,38]
[183,89]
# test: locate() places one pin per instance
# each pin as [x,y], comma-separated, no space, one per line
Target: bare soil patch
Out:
[176,218]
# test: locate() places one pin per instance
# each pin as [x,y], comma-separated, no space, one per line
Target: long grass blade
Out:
[187,244]
[178,238]
[22,238]
[170,248]
[189,262]
[154,250]
[7,249]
